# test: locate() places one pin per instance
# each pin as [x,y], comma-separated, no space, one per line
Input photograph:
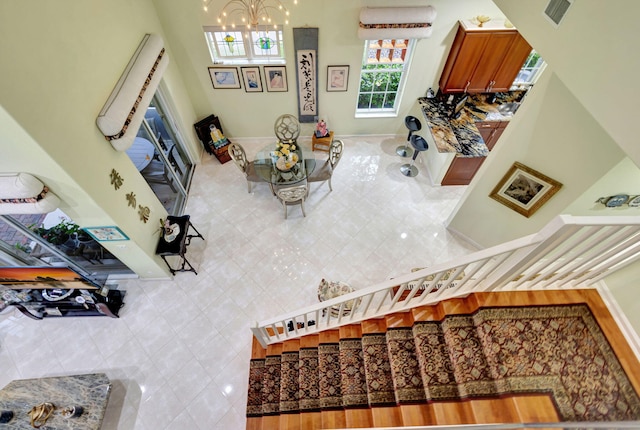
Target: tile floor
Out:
[178,356]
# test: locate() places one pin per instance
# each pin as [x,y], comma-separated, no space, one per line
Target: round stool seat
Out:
[419,145]
[413,124]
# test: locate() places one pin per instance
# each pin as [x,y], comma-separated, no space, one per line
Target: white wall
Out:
[253,114]
[551,133]
[595,53]
[60,60]
[623,178]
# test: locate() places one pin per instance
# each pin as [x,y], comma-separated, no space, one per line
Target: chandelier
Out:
[250,13]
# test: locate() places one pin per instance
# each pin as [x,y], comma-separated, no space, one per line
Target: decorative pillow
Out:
[328,290]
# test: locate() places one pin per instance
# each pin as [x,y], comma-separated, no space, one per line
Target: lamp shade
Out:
[396,22]
[122,114]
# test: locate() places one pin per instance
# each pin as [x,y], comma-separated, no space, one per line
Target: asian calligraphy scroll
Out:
[307,82]
[306,47]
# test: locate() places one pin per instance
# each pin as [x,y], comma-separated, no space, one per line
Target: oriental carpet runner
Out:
[559,350]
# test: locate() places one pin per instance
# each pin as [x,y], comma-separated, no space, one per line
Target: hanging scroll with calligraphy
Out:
[306,47]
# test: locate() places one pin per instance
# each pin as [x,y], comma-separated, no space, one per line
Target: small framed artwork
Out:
[524,189]
[224,77]
[275,78]
[106,234]
[252,80]
[337,78]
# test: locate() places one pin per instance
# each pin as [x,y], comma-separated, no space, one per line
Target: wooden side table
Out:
[321,143]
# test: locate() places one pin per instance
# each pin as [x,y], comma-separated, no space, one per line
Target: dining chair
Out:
[325,171]
[287,128]
[239,157]
[292,196]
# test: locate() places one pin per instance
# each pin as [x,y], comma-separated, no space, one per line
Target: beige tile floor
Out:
[178,356]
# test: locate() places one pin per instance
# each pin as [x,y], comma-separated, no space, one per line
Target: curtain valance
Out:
[396,22]
[122,114]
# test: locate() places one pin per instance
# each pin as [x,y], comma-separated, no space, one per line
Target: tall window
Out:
[244,46]
[382,75]
[530,71]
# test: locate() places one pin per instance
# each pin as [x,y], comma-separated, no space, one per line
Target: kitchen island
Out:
[461,147]
[91,392]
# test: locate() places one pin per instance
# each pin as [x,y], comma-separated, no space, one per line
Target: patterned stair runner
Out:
[496,351]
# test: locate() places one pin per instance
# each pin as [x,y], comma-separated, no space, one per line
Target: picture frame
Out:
[224,77]
[275,78]
[252,80]
[524,189]
[337,78]
[106,234]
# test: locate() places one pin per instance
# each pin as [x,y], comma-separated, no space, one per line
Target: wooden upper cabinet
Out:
[513,61]
[483,61]
[466,52]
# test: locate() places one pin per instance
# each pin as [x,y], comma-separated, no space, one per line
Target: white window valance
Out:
[23,193]
[122,114]
[396,22]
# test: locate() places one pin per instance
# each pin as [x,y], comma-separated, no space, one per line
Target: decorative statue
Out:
[321,129]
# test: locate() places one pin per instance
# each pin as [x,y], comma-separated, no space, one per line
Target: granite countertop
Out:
[461,135]
[90,391]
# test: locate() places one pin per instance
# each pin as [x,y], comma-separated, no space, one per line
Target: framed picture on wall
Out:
[524,189]
[252,80]
[106,234]
[224,77]
[337,78]
[275,78]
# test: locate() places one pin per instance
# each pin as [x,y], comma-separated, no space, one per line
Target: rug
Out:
[556,350]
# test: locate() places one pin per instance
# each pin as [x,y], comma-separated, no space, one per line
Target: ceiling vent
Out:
[556,10]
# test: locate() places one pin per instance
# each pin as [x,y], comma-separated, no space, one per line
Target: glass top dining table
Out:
[275,170]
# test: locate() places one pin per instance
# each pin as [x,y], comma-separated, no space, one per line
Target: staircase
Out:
[490,357]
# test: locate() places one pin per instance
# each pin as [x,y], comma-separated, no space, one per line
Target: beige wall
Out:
[252,114]
[594,52]
[60,60]
[551,133]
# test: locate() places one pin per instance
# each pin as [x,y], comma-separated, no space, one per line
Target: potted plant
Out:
[59,233]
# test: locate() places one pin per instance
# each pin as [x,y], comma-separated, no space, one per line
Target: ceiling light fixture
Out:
[250,13]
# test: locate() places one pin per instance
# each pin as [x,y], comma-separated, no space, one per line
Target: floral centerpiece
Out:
[287,158]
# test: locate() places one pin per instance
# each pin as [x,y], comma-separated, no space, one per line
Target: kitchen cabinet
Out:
[491,131]
[483,60]
[462,170]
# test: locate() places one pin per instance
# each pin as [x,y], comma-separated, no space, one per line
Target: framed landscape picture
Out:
[337,78]
[275,78]
[524,189]
[224,77]
[252,80]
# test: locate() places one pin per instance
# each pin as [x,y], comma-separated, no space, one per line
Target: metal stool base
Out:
[404,151]
[409,170]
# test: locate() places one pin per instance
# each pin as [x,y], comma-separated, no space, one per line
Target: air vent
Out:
[556,10]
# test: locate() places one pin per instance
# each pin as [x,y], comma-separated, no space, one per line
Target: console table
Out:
[178,246]
[91,392]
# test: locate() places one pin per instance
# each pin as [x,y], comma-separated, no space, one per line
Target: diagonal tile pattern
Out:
[179,354]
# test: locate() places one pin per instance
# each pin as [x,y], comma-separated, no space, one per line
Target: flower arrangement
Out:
[284,150]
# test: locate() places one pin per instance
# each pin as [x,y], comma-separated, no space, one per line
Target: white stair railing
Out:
[570,252]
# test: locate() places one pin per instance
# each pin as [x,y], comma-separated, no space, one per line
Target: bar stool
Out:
[419,145]
[413,124]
